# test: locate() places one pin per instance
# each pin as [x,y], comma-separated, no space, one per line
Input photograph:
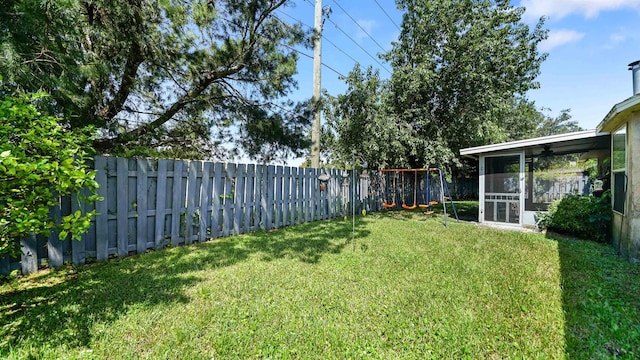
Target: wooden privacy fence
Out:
[548,190]
[150,204]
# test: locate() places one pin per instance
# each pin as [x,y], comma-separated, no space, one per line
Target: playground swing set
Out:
[426,201]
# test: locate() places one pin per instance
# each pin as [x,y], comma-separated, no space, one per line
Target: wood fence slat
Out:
[250,199]
[5,266]
[307,195]
[239,199]
[313,194]
[141,205]
[122,212]
[286,177]
[102,218]
[218,193]
[176,208]
[270,177]
[278,198]
[161,203]
[205,201]
[300,196]
[230,173]
[192,193]
[261,194]
[29,254]
[54,244]
[78,254]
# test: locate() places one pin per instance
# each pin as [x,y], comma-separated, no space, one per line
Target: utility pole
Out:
[317,64]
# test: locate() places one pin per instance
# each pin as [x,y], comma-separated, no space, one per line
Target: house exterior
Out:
[512,192]
[623,122]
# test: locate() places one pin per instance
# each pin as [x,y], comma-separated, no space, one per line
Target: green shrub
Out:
[586,217]
[39,161]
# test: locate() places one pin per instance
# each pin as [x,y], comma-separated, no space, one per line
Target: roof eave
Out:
[519,144]
[619,114]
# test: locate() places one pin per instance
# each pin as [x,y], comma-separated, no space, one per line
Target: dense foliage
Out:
[39,161]
[186,78]
[586,217]
[461,69]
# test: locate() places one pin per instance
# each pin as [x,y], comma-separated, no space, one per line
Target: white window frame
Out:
[623,169]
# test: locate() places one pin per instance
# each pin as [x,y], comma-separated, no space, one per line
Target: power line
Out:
[311,57]
[289,47]
[324,37]
[354,41]
[388,16]
[360,46]
[360,26]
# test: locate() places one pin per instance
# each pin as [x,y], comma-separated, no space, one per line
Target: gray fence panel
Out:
[150,203]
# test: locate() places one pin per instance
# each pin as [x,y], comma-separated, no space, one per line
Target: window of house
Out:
[618,169]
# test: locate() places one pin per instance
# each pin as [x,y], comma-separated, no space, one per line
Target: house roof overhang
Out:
[575,142]
[619,114]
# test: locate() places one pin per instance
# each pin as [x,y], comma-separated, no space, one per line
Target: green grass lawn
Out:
[407,287]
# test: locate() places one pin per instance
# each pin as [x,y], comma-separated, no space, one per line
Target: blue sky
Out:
[590,44]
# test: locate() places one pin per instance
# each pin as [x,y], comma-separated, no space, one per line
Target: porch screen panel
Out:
[502,189]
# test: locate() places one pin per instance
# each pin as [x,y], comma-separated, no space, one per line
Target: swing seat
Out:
[423,206]
[388,206]
[433,203]
[428,212]
[405,206]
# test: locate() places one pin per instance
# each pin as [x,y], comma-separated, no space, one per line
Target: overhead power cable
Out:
[324,37]
[388,16]
[289,47]
[355,42]
[360,26]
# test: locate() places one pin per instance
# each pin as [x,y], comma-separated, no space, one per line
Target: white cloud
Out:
[560,37]
[368,26]
[617,38]
[557,9]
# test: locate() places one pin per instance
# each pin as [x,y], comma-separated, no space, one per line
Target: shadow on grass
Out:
[60,308]
[466,210]
[601,301]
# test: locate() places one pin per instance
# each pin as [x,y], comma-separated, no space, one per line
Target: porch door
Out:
[502,187]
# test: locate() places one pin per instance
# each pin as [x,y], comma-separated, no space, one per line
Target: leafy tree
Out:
[560,124]
[197,78]
[461,69]
[359,125]
[39,161]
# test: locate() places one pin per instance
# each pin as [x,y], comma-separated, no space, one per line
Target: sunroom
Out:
[518,179]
